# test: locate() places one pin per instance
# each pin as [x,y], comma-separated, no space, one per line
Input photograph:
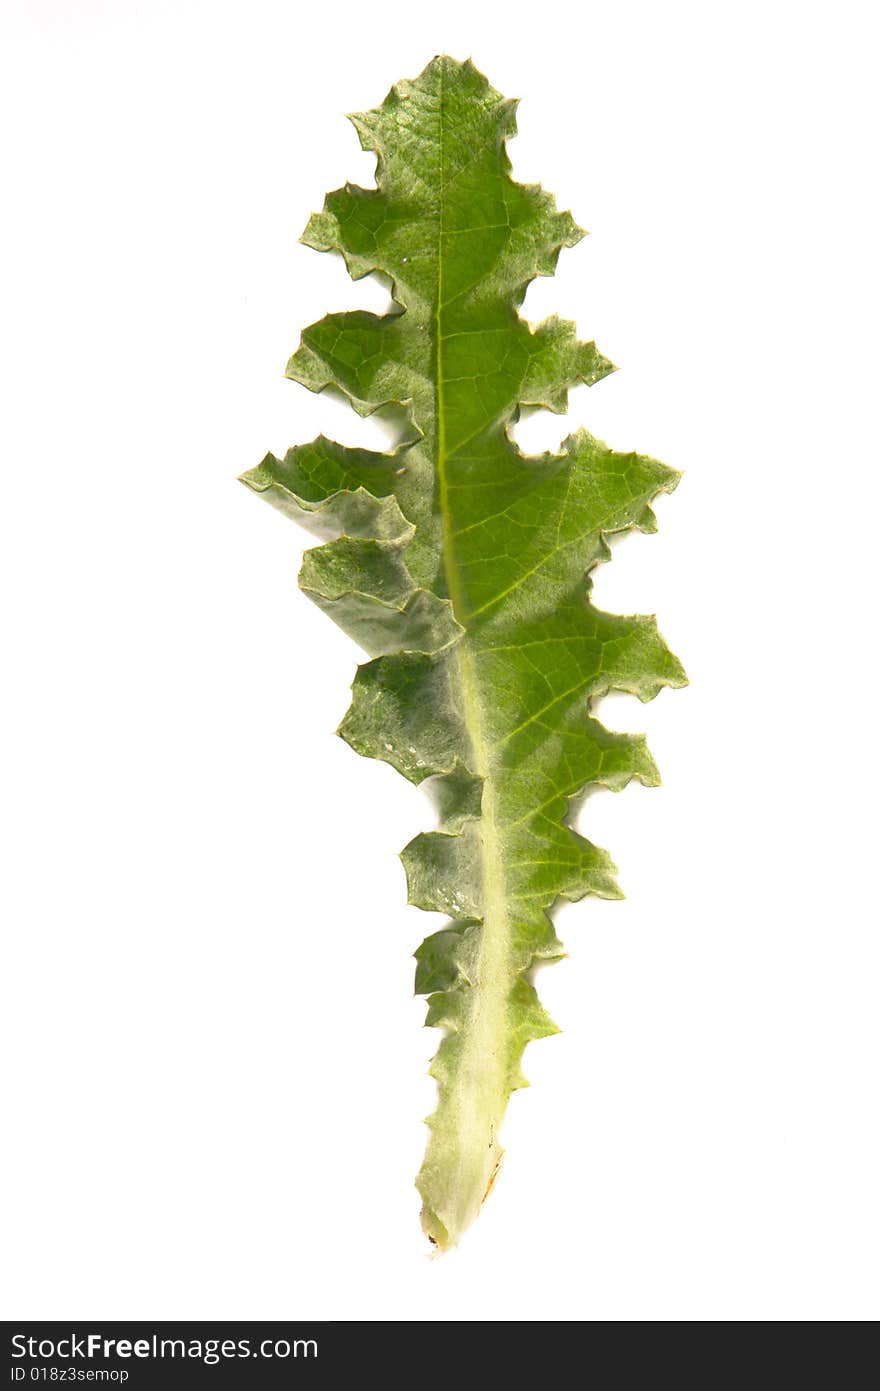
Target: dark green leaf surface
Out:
[463,569]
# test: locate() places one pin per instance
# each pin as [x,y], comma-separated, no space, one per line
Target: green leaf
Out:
[463,569]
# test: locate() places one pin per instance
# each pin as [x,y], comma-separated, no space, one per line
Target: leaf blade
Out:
[464,568]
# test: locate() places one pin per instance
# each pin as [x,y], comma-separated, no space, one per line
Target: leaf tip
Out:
[259,478]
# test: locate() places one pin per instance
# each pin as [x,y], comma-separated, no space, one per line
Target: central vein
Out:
[482,1088]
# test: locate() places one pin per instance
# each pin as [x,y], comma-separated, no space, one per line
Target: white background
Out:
[215,1067]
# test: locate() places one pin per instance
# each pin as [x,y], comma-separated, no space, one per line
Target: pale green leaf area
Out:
[463,569]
